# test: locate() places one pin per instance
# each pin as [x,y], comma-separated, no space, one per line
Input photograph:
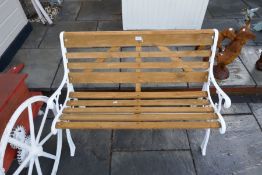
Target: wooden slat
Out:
[137,77]
[166,102]
[136,32]
[164,49]
[123,38]
[140,109]
[138,117]
[100,60]
[137,125]
[187,53]
[143,65]
[142,95]
[138,61]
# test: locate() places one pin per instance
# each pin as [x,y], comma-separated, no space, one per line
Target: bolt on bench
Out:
[168,62]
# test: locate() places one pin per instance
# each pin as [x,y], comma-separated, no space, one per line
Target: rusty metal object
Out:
[232,50]
[221,72]
[226,33]
[229,33]
[259,63]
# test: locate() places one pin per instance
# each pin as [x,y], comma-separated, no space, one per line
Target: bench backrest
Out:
[138,57]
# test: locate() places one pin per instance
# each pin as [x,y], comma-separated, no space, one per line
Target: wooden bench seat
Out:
[138,110]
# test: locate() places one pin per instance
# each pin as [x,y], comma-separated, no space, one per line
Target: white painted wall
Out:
[163,14]
[12,20]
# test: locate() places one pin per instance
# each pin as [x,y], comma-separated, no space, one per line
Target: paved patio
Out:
[41,51]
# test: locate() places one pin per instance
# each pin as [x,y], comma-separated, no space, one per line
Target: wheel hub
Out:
[37,150]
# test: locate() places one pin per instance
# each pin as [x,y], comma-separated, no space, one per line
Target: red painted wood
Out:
[13,91]
[16,69]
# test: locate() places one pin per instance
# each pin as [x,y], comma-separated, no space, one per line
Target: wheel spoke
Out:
[19,144]
[45,139]
[38,168]
[42,125]
[31,123]
[48,155]
[31,166]
[22,166]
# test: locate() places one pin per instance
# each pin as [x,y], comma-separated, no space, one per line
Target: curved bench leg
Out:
[58,151]
[205,142]
[70,143]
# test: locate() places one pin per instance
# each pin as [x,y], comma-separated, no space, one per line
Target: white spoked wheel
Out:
[30,147]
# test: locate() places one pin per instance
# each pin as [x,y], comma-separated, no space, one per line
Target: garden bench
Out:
[131,57]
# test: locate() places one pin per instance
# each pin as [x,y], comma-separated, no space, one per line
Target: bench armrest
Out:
[217,106]
[221,94]
[53,101]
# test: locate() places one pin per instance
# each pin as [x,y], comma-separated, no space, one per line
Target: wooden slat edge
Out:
[82,40]
[143,65]
[201,31]
[141,117]
[137,125]
[137,77]
[132,95]
[156,102]
[140,110]
[188,53]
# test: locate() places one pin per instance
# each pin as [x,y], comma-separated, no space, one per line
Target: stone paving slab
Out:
[92,153]
[243,98]
[254,4]
[257,111]
[110,26]
[152,163]
[249,56]
[220,24]
[100,10]
[58,76]
[237,108]
[69,11]
[226,8]
[40,65]
[208,15]
[35,37]
[258,40]
[150,140]
[236,152]
[51,39]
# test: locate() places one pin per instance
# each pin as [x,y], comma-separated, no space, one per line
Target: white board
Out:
[163,14]
[12,21]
